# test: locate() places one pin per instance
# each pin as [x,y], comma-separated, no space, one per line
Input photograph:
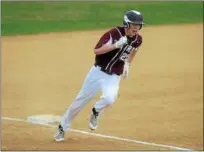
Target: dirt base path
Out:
[161,101]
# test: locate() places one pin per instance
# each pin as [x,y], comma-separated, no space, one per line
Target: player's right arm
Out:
[105,49]
[106,45]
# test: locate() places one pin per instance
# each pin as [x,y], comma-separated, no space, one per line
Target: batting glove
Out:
[126,70]
[121,42]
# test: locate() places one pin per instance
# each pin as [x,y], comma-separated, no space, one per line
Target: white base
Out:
[44,119]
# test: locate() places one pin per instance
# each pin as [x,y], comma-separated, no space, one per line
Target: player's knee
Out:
[110,99]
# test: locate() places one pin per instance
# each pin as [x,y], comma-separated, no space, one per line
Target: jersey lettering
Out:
[127,52]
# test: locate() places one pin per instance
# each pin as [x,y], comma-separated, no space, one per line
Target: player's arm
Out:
[132,55]
[127,63]
[137,46]
[106,45]
[105,49]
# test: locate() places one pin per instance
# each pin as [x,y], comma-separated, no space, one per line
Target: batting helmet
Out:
[133,17]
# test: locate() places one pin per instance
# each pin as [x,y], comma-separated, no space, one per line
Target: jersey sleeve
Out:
[138,42]
[107,38]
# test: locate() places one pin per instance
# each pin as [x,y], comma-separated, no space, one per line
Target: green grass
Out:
[42,17]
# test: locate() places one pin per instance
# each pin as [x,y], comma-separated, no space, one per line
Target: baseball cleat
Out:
[93,124]
[59,134]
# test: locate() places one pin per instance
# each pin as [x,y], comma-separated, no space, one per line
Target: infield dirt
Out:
[160,102]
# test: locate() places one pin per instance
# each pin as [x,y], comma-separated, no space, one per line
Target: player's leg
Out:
[110,87]
[89,89]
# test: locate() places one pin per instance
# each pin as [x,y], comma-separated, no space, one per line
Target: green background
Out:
[42,17]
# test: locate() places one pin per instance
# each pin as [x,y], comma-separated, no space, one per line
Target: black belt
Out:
[102,69]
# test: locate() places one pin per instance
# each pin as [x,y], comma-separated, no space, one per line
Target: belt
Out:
[103,70]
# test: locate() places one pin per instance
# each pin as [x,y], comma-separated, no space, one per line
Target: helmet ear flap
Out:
[126,24]
[141,26]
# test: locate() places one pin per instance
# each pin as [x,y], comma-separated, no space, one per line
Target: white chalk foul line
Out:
[103,136]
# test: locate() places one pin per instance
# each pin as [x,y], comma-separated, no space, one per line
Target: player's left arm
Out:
[132,55]
[127,63]
[137,45]
[130,58]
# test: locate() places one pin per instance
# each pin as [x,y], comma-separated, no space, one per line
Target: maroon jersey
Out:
[113,61]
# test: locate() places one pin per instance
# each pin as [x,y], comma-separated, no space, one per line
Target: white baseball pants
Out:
[95,80]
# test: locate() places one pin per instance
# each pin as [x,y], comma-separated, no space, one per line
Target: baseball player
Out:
[114,53]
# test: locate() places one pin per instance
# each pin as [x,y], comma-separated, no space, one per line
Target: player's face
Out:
[133,30]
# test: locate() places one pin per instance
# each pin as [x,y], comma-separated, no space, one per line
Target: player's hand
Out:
[121,42]
[126,70]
